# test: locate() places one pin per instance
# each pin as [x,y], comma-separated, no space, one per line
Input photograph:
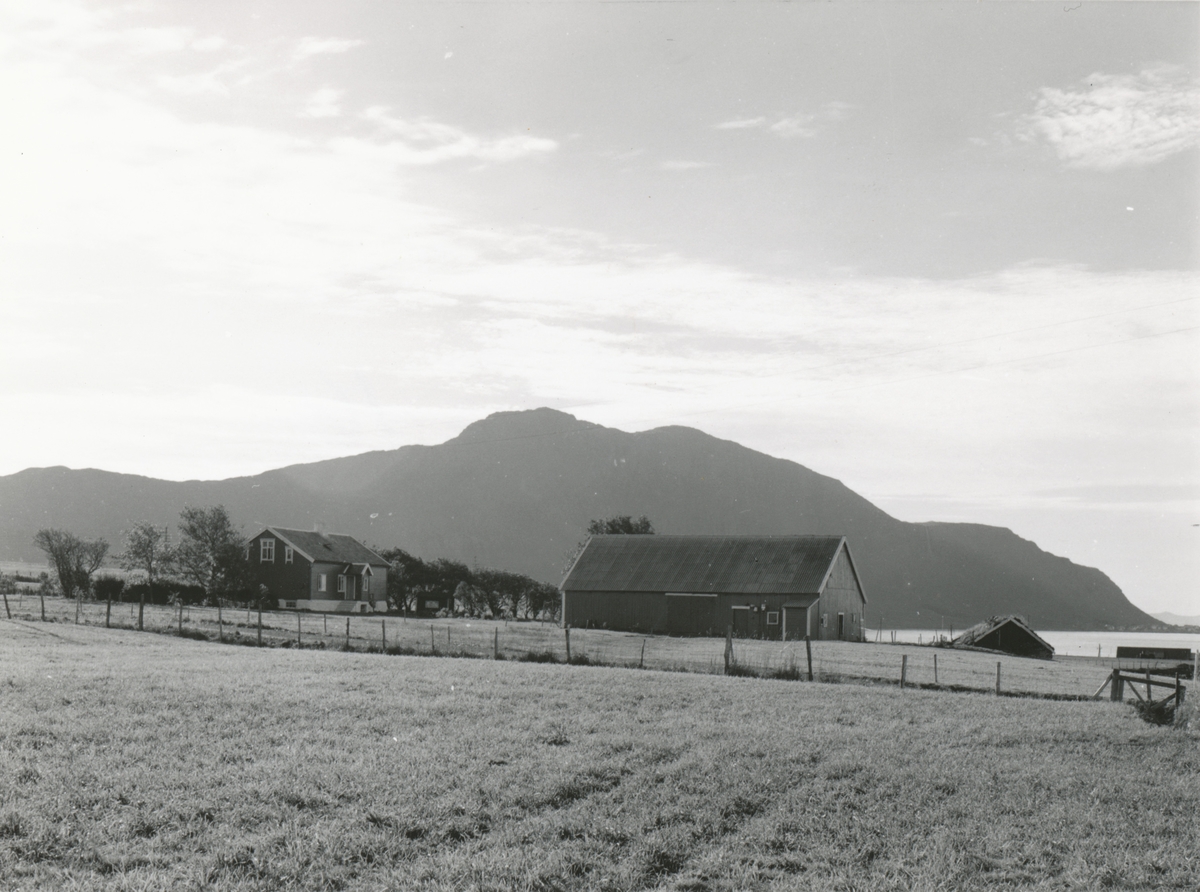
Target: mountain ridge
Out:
[515,490]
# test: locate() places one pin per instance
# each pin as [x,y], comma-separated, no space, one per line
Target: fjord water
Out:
[1067,644]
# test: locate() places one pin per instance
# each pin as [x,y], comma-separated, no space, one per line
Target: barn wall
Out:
[624,611]
[841,595]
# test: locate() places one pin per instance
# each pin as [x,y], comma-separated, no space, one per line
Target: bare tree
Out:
[211,553]
[147,548]
[74,561]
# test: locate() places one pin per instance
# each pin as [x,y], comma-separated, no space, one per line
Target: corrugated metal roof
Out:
[789,565]
[333,547]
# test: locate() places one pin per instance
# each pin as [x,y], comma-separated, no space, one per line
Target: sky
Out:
[944,252]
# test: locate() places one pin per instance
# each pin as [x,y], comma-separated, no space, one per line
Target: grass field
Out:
[832,660]
[134,761]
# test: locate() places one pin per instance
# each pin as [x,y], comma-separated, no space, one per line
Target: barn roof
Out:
[979,631]
[788,565]
[332,547]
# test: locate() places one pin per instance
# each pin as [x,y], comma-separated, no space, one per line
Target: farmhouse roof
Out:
[979,631]
[332,547]
[787,565]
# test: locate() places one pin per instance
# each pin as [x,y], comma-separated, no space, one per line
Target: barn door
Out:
[741,622]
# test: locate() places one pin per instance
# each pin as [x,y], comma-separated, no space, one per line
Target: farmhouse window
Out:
[366,584]
[341,584]
[321,587]
[773,618]
[824,619]
[433,605]
[266,551]
[287,554]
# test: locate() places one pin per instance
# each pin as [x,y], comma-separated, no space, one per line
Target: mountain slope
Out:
[516,489]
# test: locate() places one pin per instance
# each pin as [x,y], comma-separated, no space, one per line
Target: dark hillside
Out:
[516,490]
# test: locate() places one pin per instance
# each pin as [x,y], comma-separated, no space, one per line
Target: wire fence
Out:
[831,661]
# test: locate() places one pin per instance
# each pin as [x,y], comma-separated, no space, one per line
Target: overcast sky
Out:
[945,253]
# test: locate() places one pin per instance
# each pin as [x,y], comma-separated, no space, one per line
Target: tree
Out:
[147,548]
[74,561]
[621,525]
[212,553]
[617,525]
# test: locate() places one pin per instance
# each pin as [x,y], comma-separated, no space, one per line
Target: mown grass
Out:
[832,660]
[147,762]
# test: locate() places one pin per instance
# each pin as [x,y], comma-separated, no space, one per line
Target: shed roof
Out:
[979,631]
[788,565]
[333,547]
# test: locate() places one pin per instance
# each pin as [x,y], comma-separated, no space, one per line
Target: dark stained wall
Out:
[286,581]
[841,594]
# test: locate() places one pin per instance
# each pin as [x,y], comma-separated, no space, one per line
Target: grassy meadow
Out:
[834,661]
[138,761]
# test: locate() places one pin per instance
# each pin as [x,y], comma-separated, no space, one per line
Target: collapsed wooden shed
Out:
[761,586]
[1005,634]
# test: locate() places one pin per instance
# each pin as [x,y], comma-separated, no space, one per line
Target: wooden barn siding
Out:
[287,582]
[656,612]
[622,611]
[842,594]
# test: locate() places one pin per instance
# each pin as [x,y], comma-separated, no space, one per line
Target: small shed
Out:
[1006,634]
[780,587]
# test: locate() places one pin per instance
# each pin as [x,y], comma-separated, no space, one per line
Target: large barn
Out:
[781,587]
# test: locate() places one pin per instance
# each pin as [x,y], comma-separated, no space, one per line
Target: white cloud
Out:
[324,104]
[741,124]
[1116,121]
[319,46]
[423,141]
[685,165]
[799,125]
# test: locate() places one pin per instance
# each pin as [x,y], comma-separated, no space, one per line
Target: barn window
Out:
[266,551]
[321,586]
[773,618]
[824,619]
[287,554]
[341,584]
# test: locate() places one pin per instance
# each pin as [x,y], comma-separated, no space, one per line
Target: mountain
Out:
[516,490]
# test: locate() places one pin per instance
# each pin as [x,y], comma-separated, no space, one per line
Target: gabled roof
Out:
[785,565]
[332,547]
[979,631]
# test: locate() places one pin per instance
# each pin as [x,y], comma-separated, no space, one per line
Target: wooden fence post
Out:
[298,633]
[347,633]
[383,632]
[642,658]
[432,643]
[903,670]
[808,651]
[325,622]
[221,622]
[260,623]
[997,677]
[1178,700]
[728,647]
[107,611]
[935,681]
[1149,689]
[42,598]
[8,612]
[496,643]
[1117,692]
[567,630]
[447,637]
[180,621]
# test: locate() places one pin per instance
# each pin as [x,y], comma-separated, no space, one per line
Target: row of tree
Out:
[210,555]
[472,592]
[210,563]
